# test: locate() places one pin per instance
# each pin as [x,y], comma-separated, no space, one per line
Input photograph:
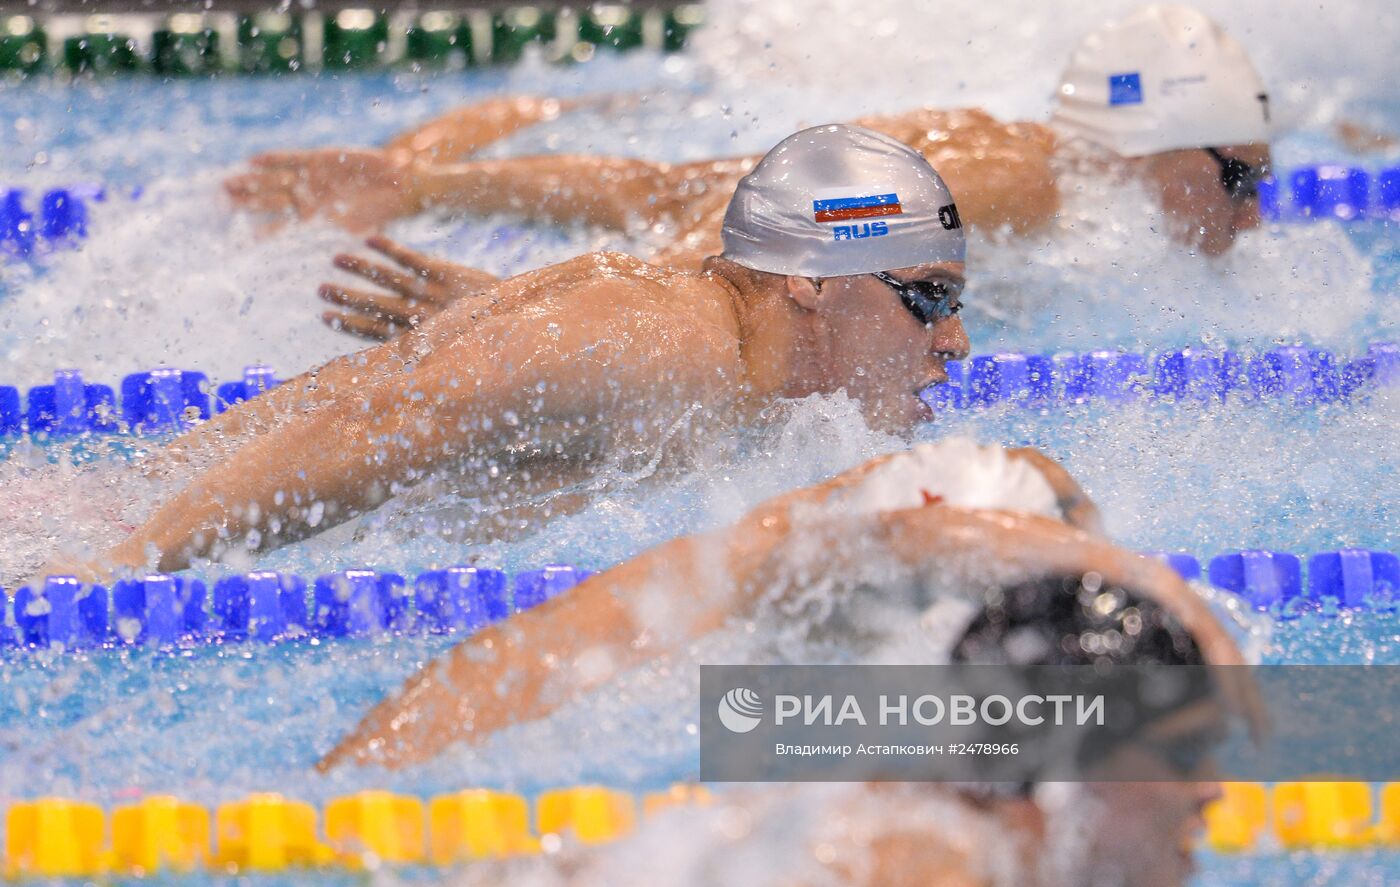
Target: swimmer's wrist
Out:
[416,187]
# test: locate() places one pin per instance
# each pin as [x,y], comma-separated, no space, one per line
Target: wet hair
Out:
[1084,621]
[1074,620]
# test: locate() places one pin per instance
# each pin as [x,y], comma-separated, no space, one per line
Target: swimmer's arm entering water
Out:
[438,394]
[621,193]
[364,190]
[667,598]
[463,131]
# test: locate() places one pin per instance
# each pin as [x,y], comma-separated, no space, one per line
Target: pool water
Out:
[171,277]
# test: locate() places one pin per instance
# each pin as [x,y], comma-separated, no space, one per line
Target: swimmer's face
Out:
[1202,211]
[869,343]
[1151,828]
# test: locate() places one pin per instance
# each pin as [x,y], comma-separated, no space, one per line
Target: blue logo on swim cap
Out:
[1125,89]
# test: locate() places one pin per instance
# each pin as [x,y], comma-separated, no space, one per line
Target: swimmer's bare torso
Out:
[542,377]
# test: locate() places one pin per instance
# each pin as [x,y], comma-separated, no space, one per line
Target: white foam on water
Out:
[170,279]
[1008,57]
[1211,478]
[48,505]
[174,279]
[1103,276]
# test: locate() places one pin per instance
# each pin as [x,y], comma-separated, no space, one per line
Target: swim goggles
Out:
[1239,179]
[927,300]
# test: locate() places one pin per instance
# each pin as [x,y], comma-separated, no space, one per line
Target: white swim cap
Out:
[1165,77]
[836,200]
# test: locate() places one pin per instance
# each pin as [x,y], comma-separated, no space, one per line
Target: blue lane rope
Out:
[159,401]
[1333,191]
[62,220]
[1296,375]
[270,607]
[1324,191]
[167,400]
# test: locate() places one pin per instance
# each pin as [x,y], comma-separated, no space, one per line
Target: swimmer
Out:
[1163,96]
[948,509]
[997,553]
[553,375]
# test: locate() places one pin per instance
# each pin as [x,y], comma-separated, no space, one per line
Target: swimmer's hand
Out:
[359,189]
[424,287]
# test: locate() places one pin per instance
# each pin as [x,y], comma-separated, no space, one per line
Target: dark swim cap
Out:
[1130,641]
[1076,620]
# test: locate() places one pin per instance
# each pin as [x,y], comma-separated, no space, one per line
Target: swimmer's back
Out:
[1001,173]
[603,302]
[603,282]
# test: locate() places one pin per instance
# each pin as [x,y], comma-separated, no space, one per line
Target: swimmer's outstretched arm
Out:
[616,192]
[463,131]
[364,188]
[665,599]
[621,193]
[393,412]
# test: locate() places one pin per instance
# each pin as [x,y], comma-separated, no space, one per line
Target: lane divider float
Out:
[1296,375]
[268,607]
[1323,191]
[165,399]
[267,832]
[1304,816]
[224,38]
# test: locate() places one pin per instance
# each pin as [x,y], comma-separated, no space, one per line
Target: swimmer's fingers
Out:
[452,280]
[405,312]
[359,325]
[420,264]
[401,283]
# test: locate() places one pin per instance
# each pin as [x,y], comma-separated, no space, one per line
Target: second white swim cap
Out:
[1165,77]
[836,200]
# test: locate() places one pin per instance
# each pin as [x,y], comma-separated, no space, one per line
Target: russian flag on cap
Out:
[844,204]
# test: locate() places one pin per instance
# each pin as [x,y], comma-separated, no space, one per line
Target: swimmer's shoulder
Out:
[694,301]
[1002,173]
[627,274]
[925,128]
[617,276]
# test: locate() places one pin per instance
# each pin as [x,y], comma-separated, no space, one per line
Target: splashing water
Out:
[171,277]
